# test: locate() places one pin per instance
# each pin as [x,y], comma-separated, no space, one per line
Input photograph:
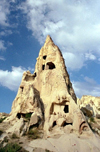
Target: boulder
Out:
[33,120]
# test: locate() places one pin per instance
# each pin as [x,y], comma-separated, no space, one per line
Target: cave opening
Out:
[22,88]
[65,124]
[50,65]
[43,66]
[18,115]
[44,57]
[35,74]
[66,109]
[54,124]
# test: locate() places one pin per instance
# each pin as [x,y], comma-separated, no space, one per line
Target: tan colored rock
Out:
[91,103]
[91,108]
[87,112]
[19,128]
[33,119]
[49,93]
[60,122]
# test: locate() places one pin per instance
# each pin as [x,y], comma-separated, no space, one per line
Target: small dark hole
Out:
[65,124]
[54,124]
[35,74]
[18,115]
[66,109]
[43,67]
[51,65]
[22,88]
[44,57]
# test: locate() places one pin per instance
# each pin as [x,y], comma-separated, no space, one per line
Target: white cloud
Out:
[74,26]
[11,79]
[4,12]
[90,56]
[4,21]
[2,58]
[2,47]
[86,87]
[31,69]
[73,61]
[5,32]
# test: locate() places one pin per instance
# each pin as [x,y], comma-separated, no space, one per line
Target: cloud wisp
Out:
[4,12]
[2,45]
[4,22]
[86,87]
[73,25]
[2,58]
[12,79]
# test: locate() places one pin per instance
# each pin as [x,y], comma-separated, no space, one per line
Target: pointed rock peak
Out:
[48,39]
[47,96]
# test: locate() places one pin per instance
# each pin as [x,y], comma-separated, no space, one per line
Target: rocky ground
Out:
[34,141]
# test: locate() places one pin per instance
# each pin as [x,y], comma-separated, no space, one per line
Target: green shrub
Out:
[99,109]
[92,119]
[34,134]
[11,147]
[46,150]
[14,136]
[6,139]
[28,115]
[2,119]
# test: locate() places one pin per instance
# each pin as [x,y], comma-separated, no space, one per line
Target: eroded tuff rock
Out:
[47,95]
[92,104]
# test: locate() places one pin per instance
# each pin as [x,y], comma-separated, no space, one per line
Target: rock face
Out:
[92,104]
[47,95]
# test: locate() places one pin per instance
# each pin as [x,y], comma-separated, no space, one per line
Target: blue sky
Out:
[74,25]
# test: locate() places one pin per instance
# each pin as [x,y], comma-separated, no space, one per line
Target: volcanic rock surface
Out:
[46,101]
[47,94]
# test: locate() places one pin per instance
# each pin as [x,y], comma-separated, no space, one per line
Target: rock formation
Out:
[90,103]
[47,96]
[90,106]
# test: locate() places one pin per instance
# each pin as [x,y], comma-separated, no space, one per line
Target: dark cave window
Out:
[68,87]
[22,88]
[51,65]
[44,57]
[65,124]
[18,115]
[34,74]
[43,67]
[66,109]
[54,124]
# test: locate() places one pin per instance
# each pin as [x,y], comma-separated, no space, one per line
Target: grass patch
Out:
[11,147]
[6,139]
[46,150]
[2,119]
[33,134]
[92,120]
[28,115]
[14,136]
[99,109]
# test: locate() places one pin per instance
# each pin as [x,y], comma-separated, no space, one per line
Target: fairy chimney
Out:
[48,95]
